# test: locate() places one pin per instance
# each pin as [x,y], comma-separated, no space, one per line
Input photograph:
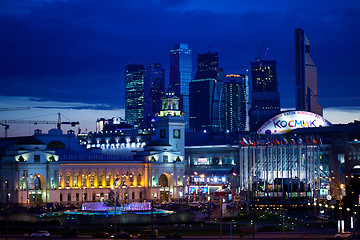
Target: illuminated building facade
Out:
[306,76]
[112,124]
[265,98]
[207,66]
[233,104]
[205,95]
[134,94]
[180,75]
[154,90]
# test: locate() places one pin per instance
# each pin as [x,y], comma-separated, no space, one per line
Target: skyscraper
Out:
[154,90]
[134,94]
[180,75]
[208,65]
[265,98]
[306,75]
[233,104]
[205,94]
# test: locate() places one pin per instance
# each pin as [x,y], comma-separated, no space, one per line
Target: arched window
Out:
[61,180]
[123,179]
[163,181]
[67,180]
[139,179]
[76,180]
[100,179]
[92,179]
[108,179]
[117,180]
[131,179]
[83,180]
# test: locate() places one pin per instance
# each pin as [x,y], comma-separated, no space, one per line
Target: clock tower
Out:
[170,123]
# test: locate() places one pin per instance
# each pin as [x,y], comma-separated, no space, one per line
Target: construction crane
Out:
[58,123]
[263,53]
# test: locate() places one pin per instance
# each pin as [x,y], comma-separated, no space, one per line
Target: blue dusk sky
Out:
[69,56]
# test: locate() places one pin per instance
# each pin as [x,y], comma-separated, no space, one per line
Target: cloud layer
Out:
[76,51]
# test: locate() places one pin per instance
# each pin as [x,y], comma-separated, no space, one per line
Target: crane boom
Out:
[58,123]
[35,122]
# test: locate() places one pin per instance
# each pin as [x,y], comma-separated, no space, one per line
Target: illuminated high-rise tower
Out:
[134,94]
[306,75]
[154,90]
[180,75]
[205,94]
[265,98]
[233,104]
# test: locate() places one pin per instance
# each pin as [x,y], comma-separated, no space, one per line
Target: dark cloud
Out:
[77,50]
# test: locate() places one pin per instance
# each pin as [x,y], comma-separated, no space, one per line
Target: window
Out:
[123,179]
[85,196]
[176,133]
[77,197]
[165,158]
[61,197]
[92,180]
[83,180]
[67,180]
[131,179]
[139,179]
[93,196]
[100,179]
[117,179]
[60,180]
[107,179]
[133,195]
[36,158]
[140,195]
[69,197]
[76,180]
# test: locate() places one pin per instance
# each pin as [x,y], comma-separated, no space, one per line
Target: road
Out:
[258,236]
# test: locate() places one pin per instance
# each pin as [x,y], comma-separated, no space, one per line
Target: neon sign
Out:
[285,122]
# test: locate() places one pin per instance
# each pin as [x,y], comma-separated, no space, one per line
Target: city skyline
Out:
[58,54]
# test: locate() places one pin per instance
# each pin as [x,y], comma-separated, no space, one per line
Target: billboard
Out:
[287,121]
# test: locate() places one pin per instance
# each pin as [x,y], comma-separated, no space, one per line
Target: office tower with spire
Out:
[265,98]
[306,76]
[154,90]
[205,94]
[134,94]
[180,75]
[233,104]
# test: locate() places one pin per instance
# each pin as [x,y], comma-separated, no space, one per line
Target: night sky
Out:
[61,55]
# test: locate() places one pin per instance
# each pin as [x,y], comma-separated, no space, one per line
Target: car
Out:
[148,234]
[174,236]
[40,234]
[343,235]
[121,235]
[101,235]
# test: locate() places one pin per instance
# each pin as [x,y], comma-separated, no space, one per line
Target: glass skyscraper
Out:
[306,75]
[154,90]
[233,104]
[180,75]
[205,94]
[134,94]
[265,98]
